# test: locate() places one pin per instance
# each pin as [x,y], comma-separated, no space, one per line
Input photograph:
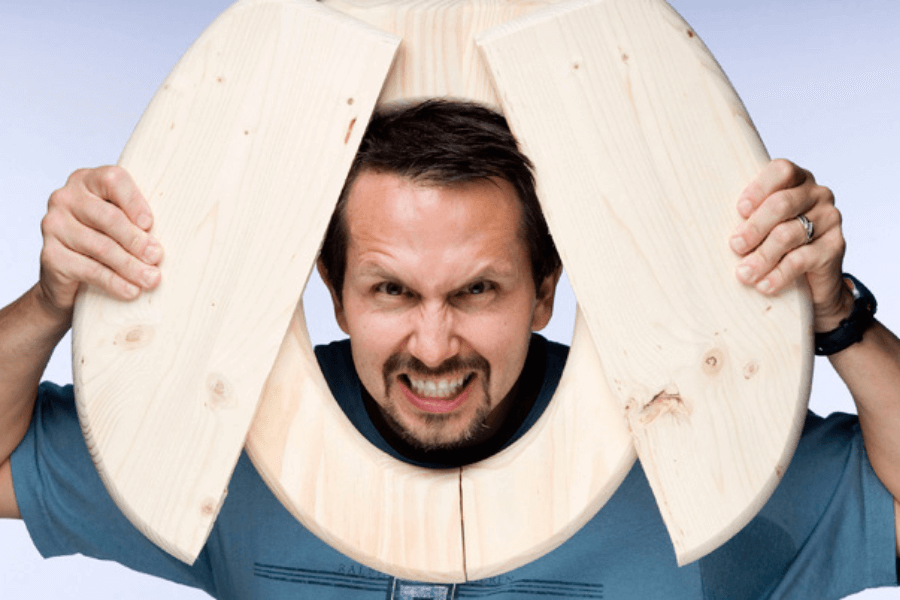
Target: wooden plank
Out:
[241,154]
[438,56]
[355,506]
[527,500]
[642,147]
[381,512]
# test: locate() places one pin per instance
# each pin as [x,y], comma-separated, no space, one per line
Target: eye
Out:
[477,288]
[390,288]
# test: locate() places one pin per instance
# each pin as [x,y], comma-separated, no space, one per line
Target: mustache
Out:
[410,364]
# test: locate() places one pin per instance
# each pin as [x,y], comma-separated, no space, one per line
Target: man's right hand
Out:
[96,231]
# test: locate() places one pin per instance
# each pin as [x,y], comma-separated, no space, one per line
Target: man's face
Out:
[439,302]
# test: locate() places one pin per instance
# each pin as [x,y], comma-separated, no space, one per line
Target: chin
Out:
[442,431]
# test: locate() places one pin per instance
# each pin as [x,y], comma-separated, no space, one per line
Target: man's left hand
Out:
[775,246]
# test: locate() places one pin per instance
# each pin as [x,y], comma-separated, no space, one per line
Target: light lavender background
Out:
[819,77]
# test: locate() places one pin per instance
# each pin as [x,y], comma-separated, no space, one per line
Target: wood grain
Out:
[643,148]
[241,154]
[438,56]
[527,500]
[404,520]
[381,512]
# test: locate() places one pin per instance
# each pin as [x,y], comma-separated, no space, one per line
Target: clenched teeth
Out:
[444,388]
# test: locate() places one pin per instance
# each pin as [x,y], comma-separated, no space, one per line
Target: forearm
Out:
[30,329]
[871,370]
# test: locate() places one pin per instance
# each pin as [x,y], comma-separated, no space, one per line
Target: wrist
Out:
[826,321]
[851,329]
[52,315]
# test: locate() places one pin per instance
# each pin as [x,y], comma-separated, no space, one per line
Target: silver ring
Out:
[808,226]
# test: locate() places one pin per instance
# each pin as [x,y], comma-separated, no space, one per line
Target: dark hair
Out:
[443,143]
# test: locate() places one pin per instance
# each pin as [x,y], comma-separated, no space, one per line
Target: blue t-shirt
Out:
[827,531]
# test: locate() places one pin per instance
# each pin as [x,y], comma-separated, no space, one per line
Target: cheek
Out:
[502,338]
[374,337]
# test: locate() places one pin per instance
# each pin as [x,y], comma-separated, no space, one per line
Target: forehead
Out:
[386,203]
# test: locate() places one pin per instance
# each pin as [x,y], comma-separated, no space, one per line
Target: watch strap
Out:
[851,329]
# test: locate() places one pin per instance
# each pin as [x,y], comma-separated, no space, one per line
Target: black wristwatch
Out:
[852,328]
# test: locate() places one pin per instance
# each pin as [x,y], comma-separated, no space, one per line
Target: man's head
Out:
[443,143]
[440,265]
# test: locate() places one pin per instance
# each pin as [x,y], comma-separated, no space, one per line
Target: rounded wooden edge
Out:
[172,488]
[535,494]
[666,449]
[800,300]
[401,519]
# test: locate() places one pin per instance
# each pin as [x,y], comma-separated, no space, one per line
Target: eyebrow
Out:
[374,270]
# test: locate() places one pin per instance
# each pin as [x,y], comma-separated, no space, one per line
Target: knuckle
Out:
[783,168]
[49,224]
[137,243]
[104,215]
[109,175]
[60,198]
[77,176]
[96,274]
[100,247]
[824,194]
[837,244]
[762,259]
[782,204]
[793,262]
[754,232]
[782,235]
[831,218]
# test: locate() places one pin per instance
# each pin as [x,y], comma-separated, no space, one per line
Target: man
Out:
[440,267]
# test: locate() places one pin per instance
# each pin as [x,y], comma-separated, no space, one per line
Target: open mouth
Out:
[436,396]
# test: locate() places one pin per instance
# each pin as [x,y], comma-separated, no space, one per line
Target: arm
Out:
[774,249]
[91,235]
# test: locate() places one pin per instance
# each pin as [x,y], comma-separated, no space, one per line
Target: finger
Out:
[115,185]
[110,220]
[781,206]
[784,237]
[778,175]
[819,261]
[789,268]
[105,251]
[68,269]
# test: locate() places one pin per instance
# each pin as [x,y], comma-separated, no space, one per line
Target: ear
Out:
[543,308]
[339,315]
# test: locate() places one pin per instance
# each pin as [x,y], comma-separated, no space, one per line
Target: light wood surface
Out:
[438,56]
[643,147]
[527,500]
[241,154]
[379,511]
[404,520]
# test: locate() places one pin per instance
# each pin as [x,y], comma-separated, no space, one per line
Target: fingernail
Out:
[153,251]
[745,207]
[765,286]
[144,221]
[745,273]
[150,277]
[131,291]
[738,244]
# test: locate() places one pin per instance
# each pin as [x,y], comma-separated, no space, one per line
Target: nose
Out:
[433,339]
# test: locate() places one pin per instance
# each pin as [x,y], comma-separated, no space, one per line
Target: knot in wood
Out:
[134,337]
[713,361]
[751,369]
[219,389]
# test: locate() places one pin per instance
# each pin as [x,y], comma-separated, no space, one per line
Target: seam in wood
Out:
[462,527]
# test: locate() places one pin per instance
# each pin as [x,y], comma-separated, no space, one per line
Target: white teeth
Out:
[444,388]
